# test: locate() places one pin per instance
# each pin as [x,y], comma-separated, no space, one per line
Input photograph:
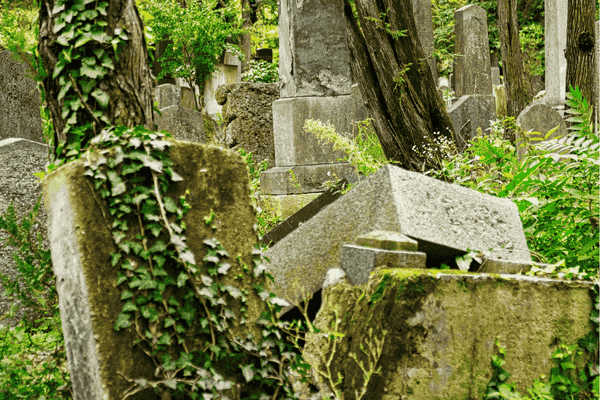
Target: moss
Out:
[209,130]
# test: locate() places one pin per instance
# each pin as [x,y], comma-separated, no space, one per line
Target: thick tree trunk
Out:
[129,84]
[581,62]
[395,80]
[516,81]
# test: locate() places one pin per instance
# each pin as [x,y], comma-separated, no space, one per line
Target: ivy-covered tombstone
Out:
[161,290]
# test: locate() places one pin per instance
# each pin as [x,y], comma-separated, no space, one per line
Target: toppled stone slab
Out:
[444,219]
[432,333]
[359,261]
[387,240]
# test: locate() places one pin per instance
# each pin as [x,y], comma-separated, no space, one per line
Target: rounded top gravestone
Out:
[542,118]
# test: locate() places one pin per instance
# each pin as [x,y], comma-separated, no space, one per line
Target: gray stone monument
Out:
[19,101]
[314,67]
[555,14]
[474,105]
[539,118]
[424,22]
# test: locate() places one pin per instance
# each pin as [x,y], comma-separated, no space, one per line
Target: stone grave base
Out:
[433,332]
[469,113]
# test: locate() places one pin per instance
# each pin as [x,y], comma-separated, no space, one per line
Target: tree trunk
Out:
[581,62]
[516,80]
[395,81]
[85,96]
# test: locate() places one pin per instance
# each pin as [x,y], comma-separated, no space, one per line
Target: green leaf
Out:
[101,97]
[122,321]
[96,72]
[170,205]
[165,340]
[168,363]
[120,278]
[181,279]
[129,306]
[115,257]
[158,247]
[150,313]
[126,294]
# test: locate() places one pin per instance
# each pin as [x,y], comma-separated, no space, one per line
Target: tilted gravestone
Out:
[19,101]
[314,69]
[472,74]
[81,242]
[19,160]
[182,122]
[539,118]
[444,219]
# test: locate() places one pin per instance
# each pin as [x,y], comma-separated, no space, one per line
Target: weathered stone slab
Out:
[495,76]
[540,118]
[19,160]
[167,95]
[182,123]
[19,101]
[314,59]
[495,266]
[358,261]
[227,73]
[305,178]
[555,43]
[440,340]
[81,243]
[387,241]
[444,219]
[302,215]
[469,113]
[472,72]
[294,146]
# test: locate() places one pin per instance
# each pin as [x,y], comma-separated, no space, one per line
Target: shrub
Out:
[261,71]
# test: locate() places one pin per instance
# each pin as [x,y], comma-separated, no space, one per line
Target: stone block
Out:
[311,205]
[432,333]
[314,59]
[555,43]
[247,115]
[187,98]
[167,95]
[19,160]
[387,240]
[358,261]
[539,118]
[469,113]
[182,123]
[81,243]
[294,146]
[304,178]
[444,219]
[495,76]
[225,74]
[19,101]
[495,266]
[500,96]
[472,71]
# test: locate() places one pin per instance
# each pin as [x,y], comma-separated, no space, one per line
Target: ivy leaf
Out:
[168,363]
[126,294]
[154,227]
[170,205]
[181,279]
[64,89]
[233,291]
[247,372]
[83,39]
[165,339]
[464,263]
[58,8]
[169,322]
[185,359]
[223,268]
[87,14]
[129,306]
[120,279]
[207,280]
[96,72]
[115,257]
[150,313]
[159,260]
[122,321]
[188,256]
[101,97]
[130,169]
[158,247]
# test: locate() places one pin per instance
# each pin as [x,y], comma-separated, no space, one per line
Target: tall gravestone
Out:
[555,16]
[424,22]
[19,101]
[314,68]
[474,105]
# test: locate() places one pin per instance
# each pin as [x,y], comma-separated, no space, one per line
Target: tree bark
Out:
[246,26]
[516,80]
[129,85]
[395,81]
[581,62]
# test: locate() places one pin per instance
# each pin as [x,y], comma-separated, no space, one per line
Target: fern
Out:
[582,113]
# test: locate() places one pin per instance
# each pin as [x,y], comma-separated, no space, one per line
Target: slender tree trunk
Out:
[246,26]
[395,80]
[516,80]
[128,85]
[581,62]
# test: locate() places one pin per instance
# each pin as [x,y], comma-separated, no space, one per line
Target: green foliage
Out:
[18,26]
[33,363]
[261,71]
[198,32]
[364,151]
[267,218]
[582,114]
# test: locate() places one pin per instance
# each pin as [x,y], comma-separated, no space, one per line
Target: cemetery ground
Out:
[34,355]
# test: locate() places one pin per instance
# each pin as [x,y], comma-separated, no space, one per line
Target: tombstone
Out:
[424,23]
[474,104]
[19,160]
[19,101]
[188,98]
[161,47]
[228,71]
[536,84]
[167,95]
[444,219]
[495,76]
[555,43]
[100,358]
[314,70]
[472,71]
[183,123]
[443,83]
[539,118]
[264,55]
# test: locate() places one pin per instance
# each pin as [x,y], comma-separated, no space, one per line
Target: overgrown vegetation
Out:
[261,71]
